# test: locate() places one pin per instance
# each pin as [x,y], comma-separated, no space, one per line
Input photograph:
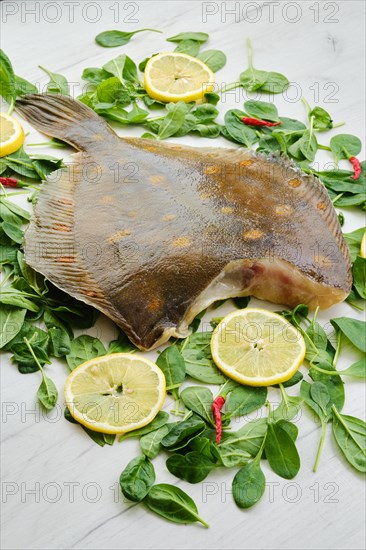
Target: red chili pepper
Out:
[258,122]
[216,409]
[356,168]
[12,182]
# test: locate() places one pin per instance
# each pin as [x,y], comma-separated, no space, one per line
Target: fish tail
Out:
[64,118]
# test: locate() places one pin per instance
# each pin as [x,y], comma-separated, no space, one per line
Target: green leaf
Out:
[196,352]
[245,399]
[121,345]
[354,241]
[95,75]
[344,146]
[84,348]
[308,145]
[7,78]
[350,435]
[289,407]
[57,84]
[320,395]
[359,276]
[252,79]
[173,504]
[60,343]
[13,232]
[192,467]
[357,370]
[111,39]
[353,329]
[173,120]
[249,485]
[281,452]
[321,119]
[11,321]
[171,362]
[13,297]
[262,110]
[123,67]
[160,420]
[238,131]
[111,92]
[201,37]
[22,86]
[47,393]
[275,83]
[236,447]
[181,433]
[150,443]
[137,479]
[214,59]
[190,47]
[199,400]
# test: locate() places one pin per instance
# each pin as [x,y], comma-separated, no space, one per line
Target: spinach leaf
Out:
[7,78]
[214,59]
[181,433]
[47,392]
[359,276]
[281,452]
[98,437]
[150,443]
[199,400]
[192,467]
[60,343]
[238,131]
[357,370]
[173,504]
[321,119]
[121,345]
[201,37]
[122,67]
[11,321]
[350,435]
[262,110]
[236,447]
[320,395]
[354,241]
[160,420]
[13,297]
[171,362]
[95,75]
[249,485]
[137,478]
[190,47]
[289,407]
[84,348]
[58,83]
[308,145]
[245,399]
[196,352]
[353,329]
[111,39]
[344,146]
[173,120]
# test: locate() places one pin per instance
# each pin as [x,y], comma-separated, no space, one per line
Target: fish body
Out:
[152,233]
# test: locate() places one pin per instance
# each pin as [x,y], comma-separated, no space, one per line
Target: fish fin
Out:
[50,239]
[64,118]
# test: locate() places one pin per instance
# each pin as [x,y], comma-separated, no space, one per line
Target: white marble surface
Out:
[75,501]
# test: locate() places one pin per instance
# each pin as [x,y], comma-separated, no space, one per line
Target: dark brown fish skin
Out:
[141,229]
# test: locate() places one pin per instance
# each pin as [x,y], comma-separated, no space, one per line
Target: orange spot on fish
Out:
[227,210]
[253,234]
[283,210]
[154,304]
[181,242]
[157,180]
[107,199]
[61,227]
[66,259]
[246,163]
[211,170]
[168,217]
[295,182]
[321,206]
[119,235]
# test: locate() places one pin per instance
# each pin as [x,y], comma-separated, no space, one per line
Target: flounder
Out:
[152,233]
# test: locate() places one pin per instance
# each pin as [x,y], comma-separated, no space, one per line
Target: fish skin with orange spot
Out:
[149,287]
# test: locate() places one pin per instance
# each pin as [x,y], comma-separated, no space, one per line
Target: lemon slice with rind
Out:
[363,246]
[11,135]
[115,393]
[176,77]
[257,347]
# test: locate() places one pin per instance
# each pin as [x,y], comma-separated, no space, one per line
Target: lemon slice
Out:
[177,76]
[363,246]
[115,393]
[11,135]
[257,347]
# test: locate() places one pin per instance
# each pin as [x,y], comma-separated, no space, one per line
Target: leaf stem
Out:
[250,53]
[338,349]
[324,147]
[27,343]
[11,106]
[320,446]
[229,87]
